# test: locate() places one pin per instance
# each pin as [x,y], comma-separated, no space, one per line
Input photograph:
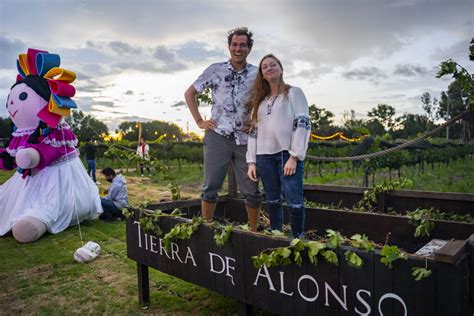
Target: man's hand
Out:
[207,125]
[247,127]
[252,172]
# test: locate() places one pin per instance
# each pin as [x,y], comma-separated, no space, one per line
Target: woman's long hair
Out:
[261,89]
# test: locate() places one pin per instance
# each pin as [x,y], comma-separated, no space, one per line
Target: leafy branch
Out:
[369,200]
[222,235]
[314,250]
[422,219]
[182,231]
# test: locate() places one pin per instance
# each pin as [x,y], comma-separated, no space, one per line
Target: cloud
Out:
[168,59]
[372,74]
[133,118]
[122,48]
[177,104]
[408,70]
[108,104]
[10,48]
[195,51]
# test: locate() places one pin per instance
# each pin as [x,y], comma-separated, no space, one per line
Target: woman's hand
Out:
[290,167]
[252,172]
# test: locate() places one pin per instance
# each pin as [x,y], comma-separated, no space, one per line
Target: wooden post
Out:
[244,309]
[143,285]
[139,125]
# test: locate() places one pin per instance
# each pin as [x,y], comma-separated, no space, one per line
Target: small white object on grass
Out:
[88,252]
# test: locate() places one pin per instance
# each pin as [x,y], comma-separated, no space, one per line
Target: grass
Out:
[455,177]
[42,277]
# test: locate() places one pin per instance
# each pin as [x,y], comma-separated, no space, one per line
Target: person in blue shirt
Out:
[117,196]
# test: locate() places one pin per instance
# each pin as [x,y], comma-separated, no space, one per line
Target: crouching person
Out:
[117,196]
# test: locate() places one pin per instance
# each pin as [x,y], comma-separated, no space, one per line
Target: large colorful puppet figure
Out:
[50,190]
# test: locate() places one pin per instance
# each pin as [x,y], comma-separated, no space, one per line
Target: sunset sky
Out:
[135,59]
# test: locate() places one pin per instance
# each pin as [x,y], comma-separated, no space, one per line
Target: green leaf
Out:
[330,257]
[420,273]
[390,254]
[313,248]
[297,244]
[353,259]
[335,239]
[222,238]
[362,242]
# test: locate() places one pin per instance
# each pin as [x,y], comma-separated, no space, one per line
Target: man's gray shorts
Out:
[219,151]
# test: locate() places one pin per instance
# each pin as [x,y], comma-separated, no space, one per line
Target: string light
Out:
[338,134]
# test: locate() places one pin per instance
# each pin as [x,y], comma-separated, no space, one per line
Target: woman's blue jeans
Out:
[270,170]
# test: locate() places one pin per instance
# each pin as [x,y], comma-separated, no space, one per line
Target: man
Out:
[117,197]
[90,150]
[225,140]
[143,153]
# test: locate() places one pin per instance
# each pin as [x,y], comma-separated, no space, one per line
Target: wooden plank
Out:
[282,278]
[358,283]
[400,200]
[256,295]
[235,210]
[425,290]
[451,251]
[300,305]
[326,275]
[404,287]
[228,262]
[383,283]
[451,287]
[470,250]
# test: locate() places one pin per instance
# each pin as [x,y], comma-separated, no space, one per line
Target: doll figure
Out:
[50,190]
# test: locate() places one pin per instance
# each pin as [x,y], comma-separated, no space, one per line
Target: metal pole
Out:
[447,114]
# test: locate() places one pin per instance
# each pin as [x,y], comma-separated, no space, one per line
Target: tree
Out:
[321,120]
[384,114]
[412,125]
[86,126]
[5,127]
[352,125]
[466,83]
[151,130]
[375,127]
[451,104]
[431,108]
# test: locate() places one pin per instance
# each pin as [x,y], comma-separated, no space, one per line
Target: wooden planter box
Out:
[324,289]
[398,200]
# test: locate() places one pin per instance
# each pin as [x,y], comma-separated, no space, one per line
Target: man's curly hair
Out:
[241,30]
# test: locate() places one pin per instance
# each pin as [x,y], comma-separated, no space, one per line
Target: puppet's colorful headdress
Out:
[45,65]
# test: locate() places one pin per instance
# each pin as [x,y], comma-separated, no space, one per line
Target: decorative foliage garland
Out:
[314,250]
[325,249]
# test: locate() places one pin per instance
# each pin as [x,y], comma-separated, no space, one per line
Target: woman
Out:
[278,142]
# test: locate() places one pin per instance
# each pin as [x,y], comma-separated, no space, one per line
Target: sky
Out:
[134,59]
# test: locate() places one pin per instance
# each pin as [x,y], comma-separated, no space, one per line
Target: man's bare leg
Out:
[207,210]
[253,214]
